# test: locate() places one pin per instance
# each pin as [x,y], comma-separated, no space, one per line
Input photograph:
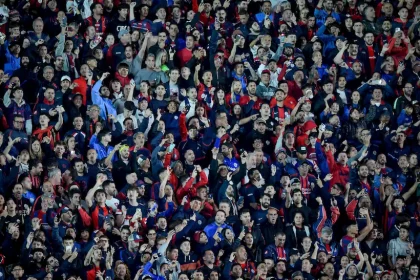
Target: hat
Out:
[288,45]
[186,239]
[135,237]
[140,159]
[294,181]
[293,251]
[260,120]
[281,150]
[76,95]
[14,13]
[129,105]
[122,32]
[236,33]
[65,77]
[329,127]
[309,125]
[266,71]
[64,210]
[139,183]
[298,56]
[301,150]
[342,38]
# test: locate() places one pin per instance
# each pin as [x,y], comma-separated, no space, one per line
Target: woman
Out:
[236,92]
[220,102]
[297,231]
[3,210]
[162,61]
[121,271]
[254,253]
[201,114]
[71,150]
[228,243]
[35,151]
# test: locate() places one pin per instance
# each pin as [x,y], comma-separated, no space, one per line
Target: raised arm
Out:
[60,111]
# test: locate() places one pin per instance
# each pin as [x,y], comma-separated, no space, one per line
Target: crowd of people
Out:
[209,139]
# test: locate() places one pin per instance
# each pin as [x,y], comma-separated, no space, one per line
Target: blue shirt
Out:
[102,151]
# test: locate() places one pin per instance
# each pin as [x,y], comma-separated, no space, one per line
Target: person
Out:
[209,140]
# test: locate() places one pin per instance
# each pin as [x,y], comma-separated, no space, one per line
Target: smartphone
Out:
[154,207]
[68,249]
[210,196]
[240,200]
[64,23]
[171,147]
[108,219]
[397,29]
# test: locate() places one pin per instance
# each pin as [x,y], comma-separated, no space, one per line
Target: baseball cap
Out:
[260,120]
[65,77]
[301,150]
[294,251]
[288,45]
[64,210]
[266,71]
[135,237]
[122,32]
[294,181]
[281,150]
[342,38]
[329,127]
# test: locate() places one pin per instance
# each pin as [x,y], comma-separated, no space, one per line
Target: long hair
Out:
[158,62]
[127,275]
[35,155]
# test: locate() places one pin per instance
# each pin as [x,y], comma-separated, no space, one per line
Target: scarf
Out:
[48,132]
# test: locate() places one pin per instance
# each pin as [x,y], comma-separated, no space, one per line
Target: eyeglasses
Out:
[19,122]
[152,234]
[366,134]
[17,269]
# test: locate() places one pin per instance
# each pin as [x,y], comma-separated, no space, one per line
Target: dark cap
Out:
[129,105]
[301,150]
[260,120]
[294,181]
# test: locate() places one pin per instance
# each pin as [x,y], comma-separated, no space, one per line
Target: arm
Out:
[338,59]
[6,99]
[60,118]
[365,231]
[231,58]
[411,191]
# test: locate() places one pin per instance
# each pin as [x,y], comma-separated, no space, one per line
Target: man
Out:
[271,226]
[100,142]
[218,225]
[187,258]
[17,134]
[97,19]
[264,89]
[209,261]
[151,73]
[277,250]
[49,107]
[47,132]
[120,23]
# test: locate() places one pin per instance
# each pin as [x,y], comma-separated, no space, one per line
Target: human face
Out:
[18,123]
